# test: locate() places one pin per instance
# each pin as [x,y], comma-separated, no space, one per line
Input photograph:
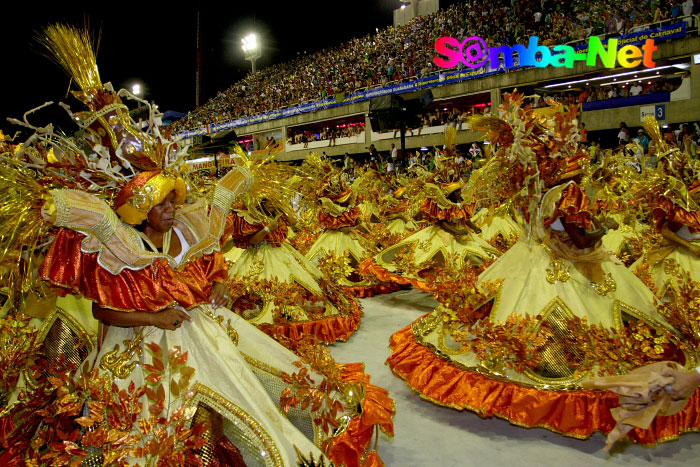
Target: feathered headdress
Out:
[273,181]
[531,149]
[107,123]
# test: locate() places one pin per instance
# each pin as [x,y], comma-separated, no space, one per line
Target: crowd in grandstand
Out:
[601,93]
[330,133]
[406,52]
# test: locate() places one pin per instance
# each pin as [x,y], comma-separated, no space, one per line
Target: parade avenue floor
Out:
[429,435]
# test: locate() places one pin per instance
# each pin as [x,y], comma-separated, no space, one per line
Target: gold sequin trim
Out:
[223,198]
[93,116]
[62,207]
[105,229]
[120,364]
[231,411]
[557,313]
[603,288]
[558,270]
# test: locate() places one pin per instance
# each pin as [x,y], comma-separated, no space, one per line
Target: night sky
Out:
[156,45]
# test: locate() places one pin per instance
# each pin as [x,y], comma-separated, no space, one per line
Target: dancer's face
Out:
[160,217]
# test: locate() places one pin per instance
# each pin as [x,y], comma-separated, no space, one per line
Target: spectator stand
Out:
[403,55]
[328,133]
[669,81]
[443,113]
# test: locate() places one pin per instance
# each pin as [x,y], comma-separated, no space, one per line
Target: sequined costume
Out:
[673,195]
[281,291]
[342,243]
[547,316]
[237,375]
[446,244]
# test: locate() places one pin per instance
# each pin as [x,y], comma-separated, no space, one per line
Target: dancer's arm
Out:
[164,319]
[263,233]
[669,233]
[584,239]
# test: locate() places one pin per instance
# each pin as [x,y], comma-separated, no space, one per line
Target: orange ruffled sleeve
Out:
[574,207]
[242,231]
[153,288]
[347,219]
[433,213]
[667,210]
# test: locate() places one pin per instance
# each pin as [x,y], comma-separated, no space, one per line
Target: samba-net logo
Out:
[474,53]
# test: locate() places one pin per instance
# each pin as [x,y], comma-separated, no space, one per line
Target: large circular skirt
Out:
[578,414]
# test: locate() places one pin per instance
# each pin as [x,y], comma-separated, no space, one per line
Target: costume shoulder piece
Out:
[119,245]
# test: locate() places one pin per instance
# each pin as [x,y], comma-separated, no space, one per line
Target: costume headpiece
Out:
[144,192]
[107,123]
[575,165]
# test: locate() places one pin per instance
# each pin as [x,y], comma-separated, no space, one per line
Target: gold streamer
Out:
[72,50]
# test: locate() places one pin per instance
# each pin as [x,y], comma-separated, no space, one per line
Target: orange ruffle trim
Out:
[326,330]
[347,219]
[153,288]
[242,231]
[432,212]
[372,290]
[666,210]
[578,414]
[370,267]
[574,207]
[352,448]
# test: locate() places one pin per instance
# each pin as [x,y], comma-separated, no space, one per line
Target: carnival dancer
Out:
[342,245]
[554,311]
[674,199]
[278,289]
[449,243]
[157,278]
[396,216]
[615,185]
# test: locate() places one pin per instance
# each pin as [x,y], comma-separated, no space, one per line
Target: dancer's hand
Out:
[220,294]
[170,319]
[685,383]
[694,249]
[610,223]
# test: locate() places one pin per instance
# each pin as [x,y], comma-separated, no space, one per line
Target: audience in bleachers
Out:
[406,52]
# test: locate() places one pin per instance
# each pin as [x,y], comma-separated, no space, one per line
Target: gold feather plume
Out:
[72,50]
[273,181]
[22,228]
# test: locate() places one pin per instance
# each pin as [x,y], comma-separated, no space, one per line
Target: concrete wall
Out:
[676,112]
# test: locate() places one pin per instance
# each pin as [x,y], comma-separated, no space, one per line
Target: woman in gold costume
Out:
[615,185]
[395,218]
[156,276]
[449,243]
[674,202]
[281,291]
[342,244]
[555,311]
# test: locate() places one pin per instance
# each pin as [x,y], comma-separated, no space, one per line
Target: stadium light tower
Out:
[251,48]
